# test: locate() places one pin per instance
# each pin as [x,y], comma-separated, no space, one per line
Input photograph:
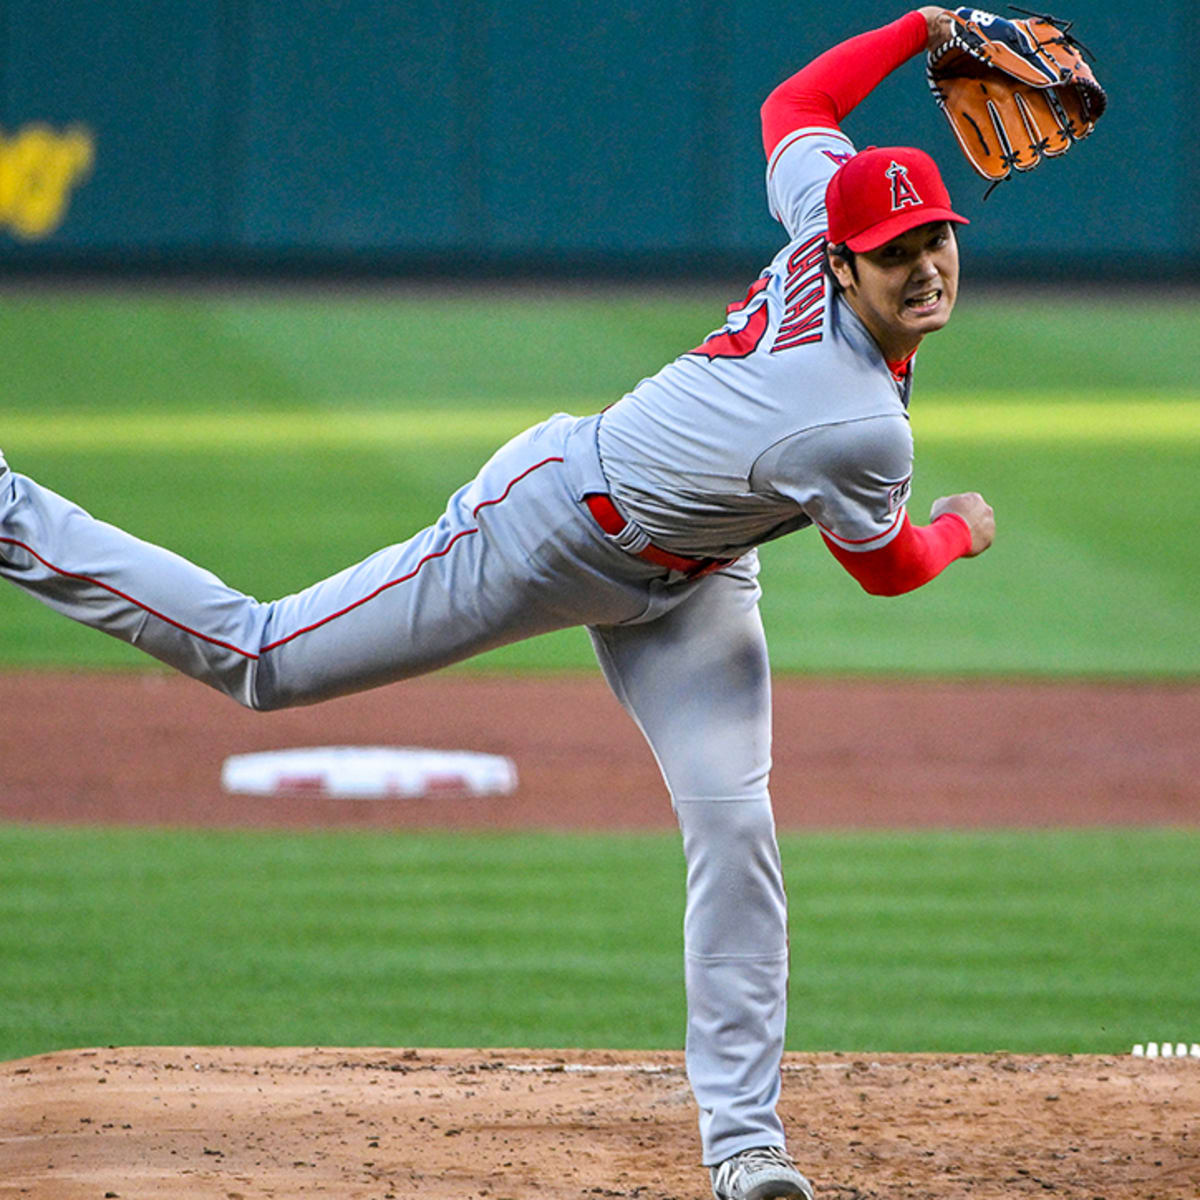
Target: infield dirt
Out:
[235,1124]
[147,750]
[244,1123]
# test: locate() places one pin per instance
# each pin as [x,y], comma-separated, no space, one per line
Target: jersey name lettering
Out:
[803,296]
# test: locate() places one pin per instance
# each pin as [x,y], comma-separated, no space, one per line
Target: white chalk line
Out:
[653,1068]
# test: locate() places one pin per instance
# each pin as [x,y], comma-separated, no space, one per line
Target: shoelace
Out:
[750,1160]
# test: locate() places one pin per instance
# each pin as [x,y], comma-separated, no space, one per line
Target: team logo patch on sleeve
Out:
[898,494]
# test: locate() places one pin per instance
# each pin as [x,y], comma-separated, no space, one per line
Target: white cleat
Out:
[765,1173]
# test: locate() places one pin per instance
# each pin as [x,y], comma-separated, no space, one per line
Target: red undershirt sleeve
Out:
[822,93]
[912,558]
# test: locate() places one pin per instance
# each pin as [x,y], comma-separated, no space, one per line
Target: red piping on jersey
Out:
[829,535]
[203,637]
[504,495]
[283,641]
[795,137]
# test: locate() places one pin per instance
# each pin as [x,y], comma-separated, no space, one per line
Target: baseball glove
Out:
[1013,91]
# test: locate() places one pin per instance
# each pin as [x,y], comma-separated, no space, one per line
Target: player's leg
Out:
[514,555]
[697,683]
[498,566]
[140,593]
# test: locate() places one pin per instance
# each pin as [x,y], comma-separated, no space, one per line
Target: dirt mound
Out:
[240,1123]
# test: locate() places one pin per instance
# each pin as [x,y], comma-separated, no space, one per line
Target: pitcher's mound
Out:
[234,1124]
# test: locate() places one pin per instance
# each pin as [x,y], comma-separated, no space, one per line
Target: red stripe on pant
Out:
[250,654]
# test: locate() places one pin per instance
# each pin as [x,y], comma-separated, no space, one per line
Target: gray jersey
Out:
[786,417]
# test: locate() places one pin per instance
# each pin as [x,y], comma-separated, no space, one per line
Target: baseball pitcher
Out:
[641,523]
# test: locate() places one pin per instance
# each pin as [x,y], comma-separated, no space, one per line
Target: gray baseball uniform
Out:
[787,416]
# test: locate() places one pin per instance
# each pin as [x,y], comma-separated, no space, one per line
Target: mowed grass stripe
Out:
[1072,421]
[336,428]
[1052,942]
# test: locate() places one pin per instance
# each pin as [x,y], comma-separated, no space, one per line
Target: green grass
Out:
[278,438]
[1049,942]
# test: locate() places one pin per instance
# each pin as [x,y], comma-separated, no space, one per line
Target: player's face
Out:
[907,287]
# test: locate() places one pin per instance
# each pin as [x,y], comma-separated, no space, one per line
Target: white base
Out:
[369,773]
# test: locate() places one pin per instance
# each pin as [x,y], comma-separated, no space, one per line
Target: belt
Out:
[610,520]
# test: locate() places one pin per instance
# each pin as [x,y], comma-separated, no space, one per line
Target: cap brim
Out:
[877,235]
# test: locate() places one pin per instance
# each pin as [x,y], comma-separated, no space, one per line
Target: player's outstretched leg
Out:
[513,555]
[140,593]
[404,610]
[696,681]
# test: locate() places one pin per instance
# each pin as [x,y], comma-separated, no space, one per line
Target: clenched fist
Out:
[977,513]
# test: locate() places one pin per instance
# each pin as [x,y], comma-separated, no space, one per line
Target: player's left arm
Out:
[852,479]
[961,526]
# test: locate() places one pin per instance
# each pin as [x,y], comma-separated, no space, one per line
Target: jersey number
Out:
[727,343]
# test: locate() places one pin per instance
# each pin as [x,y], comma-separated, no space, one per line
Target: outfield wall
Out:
[472,136]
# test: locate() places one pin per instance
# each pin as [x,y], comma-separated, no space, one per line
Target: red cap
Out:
[882,192]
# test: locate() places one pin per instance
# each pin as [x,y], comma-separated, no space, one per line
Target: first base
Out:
[369,773]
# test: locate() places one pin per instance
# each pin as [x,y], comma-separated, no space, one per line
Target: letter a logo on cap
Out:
[882,192]
[904,195]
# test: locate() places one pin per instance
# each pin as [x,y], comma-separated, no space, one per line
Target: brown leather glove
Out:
[1013,91]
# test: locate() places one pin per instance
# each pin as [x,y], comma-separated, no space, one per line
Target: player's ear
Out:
[840,267]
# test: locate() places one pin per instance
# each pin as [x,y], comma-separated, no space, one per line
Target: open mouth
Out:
[924,302]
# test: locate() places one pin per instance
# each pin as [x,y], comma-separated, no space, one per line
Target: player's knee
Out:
[262,693]
[729,838]
[271,691]
[266,700]
[736,901]
[261,704]
[737,828]
[735,775]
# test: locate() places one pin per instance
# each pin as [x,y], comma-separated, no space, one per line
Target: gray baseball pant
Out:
[515,554]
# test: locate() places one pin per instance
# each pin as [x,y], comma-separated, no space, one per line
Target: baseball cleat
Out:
[764,1173]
